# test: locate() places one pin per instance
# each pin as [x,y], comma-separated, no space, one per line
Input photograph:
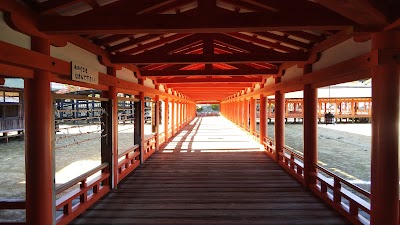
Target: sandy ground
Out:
[344,149]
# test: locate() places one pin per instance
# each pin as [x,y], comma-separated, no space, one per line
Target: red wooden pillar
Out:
[113,96]
[252,115]
[385,133]
[166,119]
[240,108]
[310,129]
[157,120]
[279,122]
[142,113]
[173,117]
[246,114]
[263,118]
[39,155]
[236,111]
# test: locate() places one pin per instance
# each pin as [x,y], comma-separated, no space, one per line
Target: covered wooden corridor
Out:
[210,173]
[158,59]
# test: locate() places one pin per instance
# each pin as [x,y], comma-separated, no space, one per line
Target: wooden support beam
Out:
[53,5]
[153,44]
[209,80]
[208,72]
[276,57]
[164,23]
[216,85]
[269,44]
[132,42]
[360,11]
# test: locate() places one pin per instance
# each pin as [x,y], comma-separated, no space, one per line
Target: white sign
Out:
[84,74]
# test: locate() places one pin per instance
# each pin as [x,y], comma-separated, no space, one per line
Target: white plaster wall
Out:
[169,91]
[295,94]
[149,83]
[73,53]
[162,88]
[13,37]
[291,73]
[256,87]
[270,81]
[127,75]
[341,52]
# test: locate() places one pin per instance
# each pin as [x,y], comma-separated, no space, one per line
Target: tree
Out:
[215,107]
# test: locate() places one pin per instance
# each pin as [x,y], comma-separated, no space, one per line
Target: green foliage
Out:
[199,109]
[215,107]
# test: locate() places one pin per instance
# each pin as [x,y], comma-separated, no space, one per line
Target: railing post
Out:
[263,117]
[173,117]
[385,131]
[166,119]
[39,155]
[157,121]
[279,122]
[252,116]
[310,126]
[114,127]
[139,126]
[246,114]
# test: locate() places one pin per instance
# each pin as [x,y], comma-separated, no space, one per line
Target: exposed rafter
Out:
[210,58]
[180,23]
[209,72]
[360,11]
[209,80]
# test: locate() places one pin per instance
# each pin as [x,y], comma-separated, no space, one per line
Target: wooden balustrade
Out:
[337,192]
[129,163]
[12,204]
[332,190]
[149,147]
[292,163]
[269,146]
[161,138]
[78,200]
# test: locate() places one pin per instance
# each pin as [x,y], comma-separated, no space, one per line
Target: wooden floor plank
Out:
[185,185]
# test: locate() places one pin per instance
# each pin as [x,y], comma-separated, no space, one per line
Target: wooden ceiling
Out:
[210,49]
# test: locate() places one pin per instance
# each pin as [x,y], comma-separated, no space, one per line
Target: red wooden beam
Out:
[210,80]
[284,39]
[53,5]
[210,58]
[180,23]
[132,41]
[259,41]
[360,11]
[110,39]
[216,85]
[154,44]
[208,72]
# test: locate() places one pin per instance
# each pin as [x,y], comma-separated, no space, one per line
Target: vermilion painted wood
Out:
[385,136]
[39,130]
[177,23]
[274,57]
[248,71]
[263,121]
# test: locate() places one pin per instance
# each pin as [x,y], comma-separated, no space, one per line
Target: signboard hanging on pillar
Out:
[84,73]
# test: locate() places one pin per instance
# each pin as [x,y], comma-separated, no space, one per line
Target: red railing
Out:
[334,190]
[73,203]
[149,147]
[161,137]
[292,162]
[129,163]
[12,204]
[343,199]
[269,145]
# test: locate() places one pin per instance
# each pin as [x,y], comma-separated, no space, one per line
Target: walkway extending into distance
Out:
[210,173]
